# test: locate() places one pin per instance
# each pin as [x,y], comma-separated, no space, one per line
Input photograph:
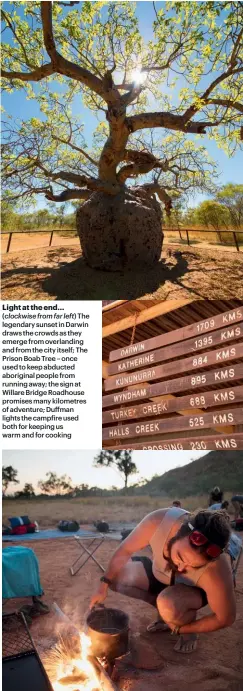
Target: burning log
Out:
[73,679]
[99,676]
[106,683]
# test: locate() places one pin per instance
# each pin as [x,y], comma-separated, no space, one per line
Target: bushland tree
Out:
[55,485]
[212,214]
[26,493]
[8,215]
[191,72]
[41,218]
[121,460]
[231,196]
[9,474]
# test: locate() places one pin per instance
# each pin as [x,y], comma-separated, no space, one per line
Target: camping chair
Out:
[20,568]
[88,552]
[21,579]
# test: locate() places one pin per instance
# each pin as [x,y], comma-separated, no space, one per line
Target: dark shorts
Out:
[155,586]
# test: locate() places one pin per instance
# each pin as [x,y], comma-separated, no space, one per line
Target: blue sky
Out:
[17,105]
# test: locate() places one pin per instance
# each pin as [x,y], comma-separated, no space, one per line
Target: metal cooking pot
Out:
[108,630]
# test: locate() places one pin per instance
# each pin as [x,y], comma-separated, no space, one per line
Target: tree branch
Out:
[92,186]
[12,28]
[133,170]
[90,182]
[227,103]
[77,148]
[68,194]
[133,93]
[35,76]
[68,4]
[155,188]
[168,121]
[20,170]
[232,69]
[137,156]
[60,64]
[233,59]
[143,162]
[164,197]
[62,174]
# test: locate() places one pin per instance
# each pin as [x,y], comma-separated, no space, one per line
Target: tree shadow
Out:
[76,280]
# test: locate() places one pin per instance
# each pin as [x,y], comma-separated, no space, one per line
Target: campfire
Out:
[74,671]
[72,666]
[84,660]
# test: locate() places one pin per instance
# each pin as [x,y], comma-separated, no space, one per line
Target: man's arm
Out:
[137,540]
[217,582]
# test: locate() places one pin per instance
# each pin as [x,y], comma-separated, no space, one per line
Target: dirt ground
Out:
[61,273]
[217,665]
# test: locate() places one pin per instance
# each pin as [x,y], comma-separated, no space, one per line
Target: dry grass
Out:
[203,237]
[114,509]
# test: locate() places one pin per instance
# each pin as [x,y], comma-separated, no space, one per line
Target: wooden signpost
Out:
[193,330]
[192,346]
[221,442]
[193,359]
[190,382]
[218,418]
[208,399]
[189,364]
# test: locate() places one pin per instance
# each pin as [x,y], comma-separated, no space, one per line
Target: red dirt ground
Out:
[61,273]
[217,665]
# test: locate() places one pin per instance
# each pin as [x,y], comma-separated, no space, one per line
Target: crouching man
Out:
[189,569]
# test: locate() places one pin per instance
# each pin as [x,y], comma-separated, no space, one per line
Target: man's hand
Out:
[99,596]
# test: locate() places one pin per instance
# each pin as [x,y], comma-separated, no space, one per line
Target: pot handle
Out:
[98,606]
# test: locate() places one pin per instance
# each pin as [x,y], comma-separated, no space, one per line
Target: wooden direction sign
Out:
[194,362]
[175,424]
[193,330]
[222,442]
[192,346]
[192,381]
[217,418]
[208,399]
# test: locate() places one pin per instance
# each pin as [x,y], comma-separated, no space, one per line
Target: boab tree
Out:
[94,50]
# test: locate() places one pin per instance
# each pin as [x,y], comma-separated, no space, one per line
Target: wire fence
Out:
[187,231]
[218,233]
[51,233]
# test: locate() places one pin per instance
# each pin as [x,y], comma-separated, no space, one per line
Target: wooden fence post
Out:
[51,236]
[9,242]
[236,241]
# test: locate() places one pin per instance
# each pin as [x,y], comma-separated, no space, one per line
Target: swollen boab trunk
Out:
[122,230]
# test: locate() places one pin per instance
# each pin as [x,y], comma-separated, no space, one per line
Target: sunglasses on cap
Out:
[198,540]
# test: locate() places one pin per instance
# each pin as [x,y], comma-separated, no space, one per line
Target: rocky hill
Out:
[223,468]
